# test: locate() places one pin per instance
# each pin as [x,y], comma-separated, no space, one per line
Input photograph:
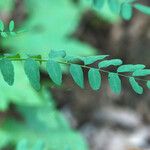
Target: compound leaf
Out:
[54,71]
[136,87]
[7,70]
[32,71]
[114,82]
[94,78]
[77,74]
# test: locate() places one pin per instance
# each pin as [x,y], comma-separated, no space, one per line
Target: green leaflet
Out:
[7,70]
[91,59]
[130,68]
[1,26]
[31,68]
[126,11]
[77,74]
[55,54]
[22,145]
[98,3]
[114,82]
[142,8]
[72,58]
[54,70]
[148,84]
[107,63]
[114,6]
[94,78]
[136,87]
[143,72]
[11,26]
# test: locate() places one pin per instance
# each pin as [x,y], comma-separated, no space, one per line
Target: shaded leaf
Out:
[7,70]
[91,59]
[94,78]
[136,87]
[107,63]
[77,74]
[11,26]
[114,82]
[31,68]
[130,68]
[54,70]
[143,72]
[142,8]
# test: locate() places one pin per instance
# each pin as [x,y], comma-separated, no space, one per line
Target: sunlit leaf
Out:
[39,145]
[1,26]
[98,3]
[114,6]
[22,145]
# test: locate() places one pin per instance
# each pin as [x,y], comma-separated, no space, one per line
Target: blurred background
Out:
[67,117]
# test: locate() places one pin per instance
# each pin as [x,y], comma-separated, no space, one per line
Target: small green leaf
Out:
[31,68]
[54,70]
[94,77]
[56,54]
[143,72]
[148,84]
[107,63]
[142,8]
[4,34]
[12,56]
[126,11]
[91,59]
[114,82]
[98,3]
[130,68]
[7,70]
[114,6]
[77,74]
[22,145]
[11,26]
[1,26]
[136,87]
